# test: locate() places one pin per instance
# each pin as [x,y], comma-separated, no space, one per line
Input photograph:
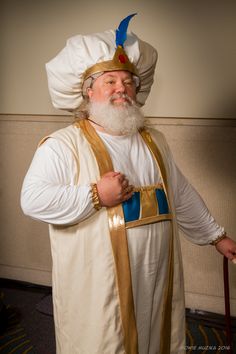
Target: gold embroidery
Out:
[95,198]
[112,65]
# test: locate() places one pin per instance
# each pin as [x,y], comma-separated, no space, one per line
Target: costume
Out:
[89,307]
[117,272]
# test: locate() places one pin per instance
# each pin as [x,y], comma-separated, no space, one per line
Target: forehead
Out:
[123,75]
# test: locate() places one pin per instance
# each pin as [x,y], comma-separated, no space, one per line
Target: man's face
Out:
[113,83]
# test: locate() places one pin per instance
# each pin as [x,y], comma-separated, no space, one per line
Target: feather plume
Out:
[121,32]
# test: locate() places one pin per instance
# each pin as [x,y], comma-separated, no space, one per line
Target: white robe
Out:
[50,194]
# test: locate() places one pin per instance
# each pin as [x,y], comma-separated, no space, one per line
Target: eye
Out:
[128,82]
[110,82]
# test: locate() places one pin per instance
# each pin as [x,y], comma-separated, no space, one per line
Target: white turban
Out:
[79,59]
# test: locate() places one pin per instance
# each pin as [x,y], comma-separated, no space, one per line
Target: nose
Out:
[120,87]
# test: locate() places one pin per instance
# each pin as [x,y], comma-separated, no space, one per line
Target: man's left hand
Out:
[227,247]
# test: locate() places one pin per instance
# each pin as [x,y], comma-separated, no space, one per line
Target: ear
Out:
[89,92]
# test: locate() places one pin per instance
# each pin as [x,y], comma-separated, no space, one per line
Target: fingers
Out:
[231,255]
[227,247]
[114,188]
[127,194]
[122,178]
[125,189]
[112,174]
[123,182]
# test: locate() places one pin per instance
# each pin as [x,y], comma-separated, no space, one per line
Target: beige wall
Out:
[195,79]
[195,76]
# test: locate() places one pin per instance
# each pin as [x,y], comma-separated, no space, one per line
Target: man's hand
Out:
[227,247]
[113,188]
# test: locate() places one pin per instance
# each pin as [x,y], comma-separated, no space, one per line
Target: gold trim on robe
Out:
[148,220]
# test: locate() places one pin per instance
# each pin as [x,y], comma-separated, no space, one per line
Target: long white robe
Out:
[52,193]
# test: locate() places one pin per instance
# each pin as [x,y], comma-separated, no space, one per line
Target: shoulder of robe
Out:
[158,137]
[67,135]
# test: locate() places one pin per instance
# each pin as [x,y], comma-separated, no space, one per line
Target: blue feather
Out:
[121,32]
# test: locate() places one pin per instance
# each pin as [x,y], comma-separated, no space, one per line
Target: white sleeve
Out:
[193,216]
[48,192]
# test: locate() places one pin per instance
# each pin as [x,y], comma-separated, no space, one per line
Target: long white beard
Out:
[123,119]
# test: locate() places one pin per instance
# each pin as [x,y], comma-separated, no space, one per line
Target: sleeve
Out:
[193,216]
[49,193]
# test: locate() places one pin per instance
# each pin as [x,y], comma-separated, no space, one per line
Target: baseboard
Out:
[209,303]
[18,284]
[24,274]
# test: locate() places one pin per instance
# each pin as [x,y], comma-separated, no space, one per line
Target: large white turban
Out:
[85,55]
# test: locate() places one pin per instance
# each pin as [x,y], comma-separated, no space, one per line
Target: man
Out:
[114,198]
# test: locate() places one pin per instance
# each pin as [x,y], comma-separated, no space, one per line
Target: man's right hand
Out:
[113,189]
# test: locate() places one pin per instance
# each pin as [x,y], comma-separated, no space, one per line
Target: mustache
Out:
[121,95]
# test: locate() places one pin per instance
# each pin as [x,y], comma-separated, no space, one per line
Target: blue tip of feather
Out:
[121,32]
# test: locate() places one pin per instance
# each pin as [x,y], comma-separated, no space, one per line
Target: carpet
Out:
[206,334]
[14,340]
[31,329]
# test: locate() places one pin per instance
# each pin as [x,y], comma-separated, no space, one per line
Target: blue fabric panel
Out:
[162,201]
[131,207]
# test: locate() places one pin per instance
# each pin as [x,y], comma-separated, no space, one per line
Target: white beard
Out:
[124,119]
